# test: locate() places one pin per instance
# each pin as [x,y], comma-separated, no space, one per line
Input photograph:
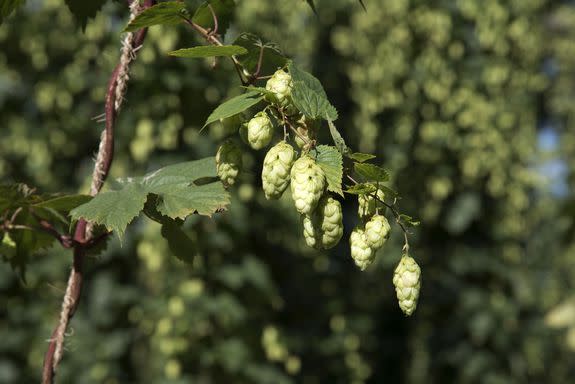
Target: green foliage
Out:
[84,10]
[234,106]
[337,139]
[9,6]
[165,13]
[223,11]
[330,161]
[308,95]
[209,51]
[182,189]
[272,57]
[371,172]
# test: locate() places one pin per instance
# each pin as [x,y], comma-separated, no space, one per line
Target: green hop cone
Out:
[228,162]
[259,130]
[377,231]
[307,184]
[324,227]
[276,169]
[361,252]
[280,85]
[368,204]
[407,281]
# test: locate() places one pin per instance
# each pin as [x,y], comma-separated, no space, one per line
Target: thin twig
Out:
[395,213]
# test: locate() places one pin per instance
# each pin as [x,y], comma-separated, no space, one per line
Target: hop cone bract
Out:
[276,169]
[377,231]
[228,162]
[260,130]
[324,227]
[368,203]
[407,281]
[307,184]
[361,252]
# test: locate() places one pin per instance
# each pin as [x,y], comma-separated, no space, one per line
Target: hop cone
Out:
[260,130]
[377,231]
[228,162]
[361,252]
[324,227]
[407,281]
[280,84]
[276,169]
[307,184]
[368,203]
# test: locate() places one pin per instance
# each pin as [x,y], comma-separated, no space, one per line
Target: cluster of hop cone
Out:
[321,214]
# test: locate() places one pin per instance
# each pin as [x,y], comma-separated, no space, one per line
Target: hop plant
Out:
[307,129]
[276,169]
[407,281]
[368,203]
[280,84]
[361,252]
[259,130]
[231,124]
[307,184]
[228,162]
[377,231]
[324,227]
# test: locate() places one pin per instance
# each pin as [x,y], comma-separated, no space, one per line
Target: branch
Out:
[83,233]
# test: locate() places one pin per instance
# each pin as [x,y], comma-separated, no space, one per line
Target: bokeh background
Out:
[470,104]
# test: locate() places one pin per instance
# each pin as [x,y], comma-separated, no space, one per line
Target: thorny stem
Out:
[83,232]
[395,213]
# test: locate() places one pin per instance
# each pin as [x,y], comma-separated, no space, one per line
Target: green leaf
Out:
[361,157]
[261,90]
[337,139]
[371,172]
[224,11]
[84,10]
[308,95]
[391,193]
[209,51]
[64,203]
[361,189]
[9,6]
[330,161]
[408,220]
[234,106]
[169,12]
[312,6]
[175,191]
[180,244]
[180,196]
[272,58]
[114,209]
[13,196]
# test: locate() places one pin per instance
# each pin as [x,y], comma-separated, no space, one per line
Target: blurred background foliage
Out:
[470,103]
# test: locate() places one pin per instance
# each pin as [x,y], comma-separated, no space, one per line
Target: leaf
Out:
[114,209]
[14,195]
[9,6]
[175,191]
[391,193]
[209,51]
[234,106]
[337,139]
[312,6]
[84,10]
[371,172]
[362,5]
[272,58]
[260,90]
[169,12]
[361,189]
[224,11]
[308,95]
[361,157]
[64,203]
[408,220]
[330,161]
[180,244]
